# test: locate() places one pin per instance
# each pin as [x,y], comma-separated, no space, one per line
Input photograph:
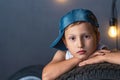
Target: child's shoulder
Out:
[60,53]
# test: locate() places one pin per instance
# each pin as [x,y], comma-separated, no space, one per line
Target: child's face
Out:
[81,39]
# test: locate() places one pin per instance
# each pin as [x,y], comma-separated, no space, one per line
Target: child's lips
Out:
[81,52]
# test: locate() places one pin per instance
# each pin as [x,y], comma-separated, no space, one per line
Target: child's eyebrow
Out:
[90,33]
[71,34]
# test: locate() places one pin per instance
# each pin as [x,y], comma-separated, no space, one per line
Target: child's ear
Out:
[64,41]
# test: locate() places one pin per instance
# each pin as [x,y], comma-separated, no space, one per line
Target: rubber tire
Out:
[28,73]
[101,71]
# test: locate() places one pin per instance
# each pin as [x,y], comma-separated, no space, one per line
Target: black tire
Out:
[102,71]
[28,73]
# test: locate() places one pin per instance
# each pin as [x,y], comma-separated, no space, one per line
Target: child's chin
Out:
[83,57]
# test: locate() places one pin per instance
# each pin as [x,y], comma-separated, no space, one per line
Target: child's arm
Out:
[58,66]
[110,57]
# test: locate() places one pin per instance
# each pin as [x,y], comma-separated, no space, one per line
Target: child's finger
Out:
[100,52]
[97,54]
[93,60]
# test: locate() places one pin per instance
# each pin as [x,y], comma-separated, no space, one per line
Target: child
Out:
[78,41]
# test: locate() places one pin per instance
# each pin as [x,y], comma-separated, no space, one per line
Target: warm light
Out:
[61,1]
[112,32]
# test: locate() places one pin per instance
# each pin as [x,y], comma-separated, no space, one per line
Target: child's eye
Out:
[72,38]
[87,36]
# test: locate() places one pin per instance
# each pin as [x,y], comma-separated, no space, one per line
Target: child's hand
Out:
[97,57]
[99,53]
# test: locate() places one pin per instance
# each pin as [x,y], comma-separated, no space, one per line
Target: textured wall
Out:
[27,27]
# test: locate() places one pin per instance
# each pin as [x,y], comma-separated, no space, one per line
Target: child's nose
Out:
[80,43]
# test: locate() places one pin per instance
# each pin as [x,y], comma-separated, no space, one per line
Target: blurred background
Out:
[28,27]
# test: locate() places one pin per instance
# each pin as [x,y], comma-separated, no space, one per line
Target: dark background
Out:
[27,28]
